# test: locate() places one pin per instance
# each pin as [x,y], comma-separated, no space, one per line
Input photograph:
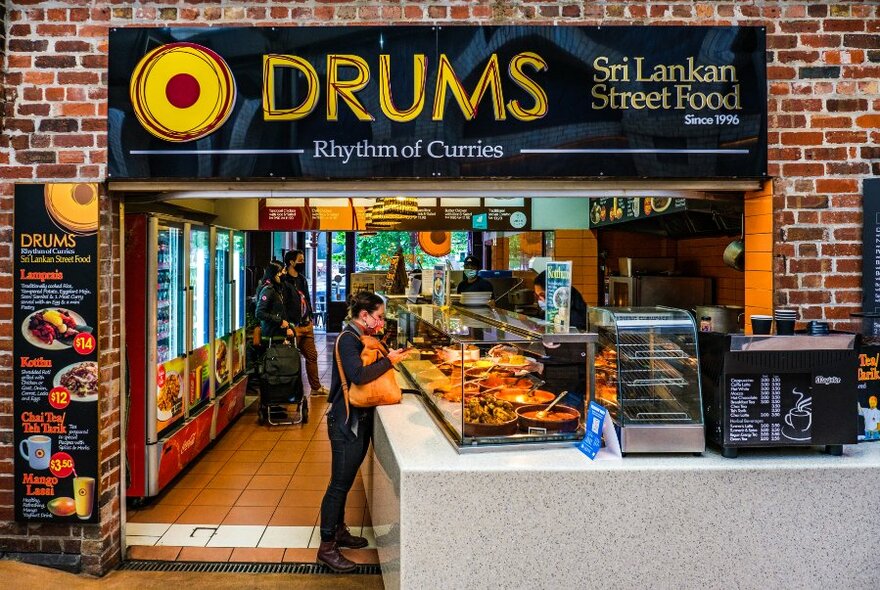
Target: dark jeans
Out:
[347,457]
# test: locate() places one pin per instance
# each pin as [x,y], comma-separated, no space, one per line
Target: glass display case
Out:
[648,377]
[488,375]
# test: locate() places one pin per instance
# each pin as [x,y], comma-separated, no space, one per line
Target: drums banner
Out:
[437,102]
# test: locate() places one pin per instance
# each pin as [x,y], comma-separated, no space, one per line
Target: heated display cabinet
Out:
[648,377]
[486,374]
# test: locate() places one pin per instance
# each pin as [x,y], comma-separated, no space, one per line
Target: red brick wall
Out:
[824,114]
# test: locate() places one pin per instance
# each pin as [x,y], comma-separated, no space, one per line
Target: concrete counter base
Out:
[792,518]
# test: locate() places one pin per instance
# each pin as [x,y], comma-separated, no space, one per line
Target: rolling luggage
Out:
[281,383]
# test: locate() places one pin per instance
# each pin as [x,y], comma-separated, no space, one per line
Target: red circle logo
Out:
[182,92]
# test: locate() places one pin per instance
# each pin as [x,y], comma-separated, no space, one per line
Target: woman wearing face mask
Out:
[300,312]
[350,429]
[271,312]
[472,282]
[270,306]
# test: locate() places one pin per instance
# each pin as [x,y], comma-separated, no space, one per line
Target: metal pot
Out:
[735,255]
[726,319]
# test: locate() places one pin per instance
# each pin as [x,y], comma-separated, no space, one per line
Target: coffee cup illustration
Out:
[799,419]
[36,450]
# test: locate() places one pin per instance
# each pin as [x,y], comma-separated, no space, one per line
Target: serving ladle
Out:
[541,414]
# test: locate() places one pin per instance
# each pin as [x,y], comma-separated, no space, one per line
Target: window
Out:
[374,251]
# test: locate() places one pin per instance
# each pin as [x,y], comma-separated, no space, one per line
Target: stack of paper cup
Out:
[785,320]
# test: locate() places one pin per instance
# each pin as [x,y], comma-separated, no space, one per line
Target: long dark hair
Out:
[363,300]
[272,269]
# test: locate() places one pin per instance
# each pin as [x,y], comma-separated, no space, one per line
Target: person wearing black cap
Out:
[472,283]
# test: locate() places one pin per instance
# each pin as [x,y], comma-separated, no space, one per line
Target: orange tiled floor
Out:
[254,495]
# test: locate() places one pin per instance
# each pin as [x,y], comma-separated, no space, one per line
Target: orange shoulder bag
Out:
[384,391]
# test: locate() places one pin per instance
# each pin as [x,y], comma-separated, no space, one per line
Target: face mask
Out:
[300,267]
[371,330]
[542,303]
[470,274]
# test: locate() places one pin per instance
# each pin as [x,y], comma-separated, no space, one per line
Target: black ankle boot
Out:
[329,555]
[344,538]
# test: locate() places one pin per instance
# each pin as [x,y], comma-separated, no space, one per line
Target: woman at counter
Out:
[350,429]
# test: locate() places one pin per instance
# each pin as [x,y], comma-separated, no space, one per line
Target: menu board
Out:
[868,387]
[393,269]
[871,241]
[557,291]
[440,286]
[55,353]
[610,211]
[346,214]
[770,408]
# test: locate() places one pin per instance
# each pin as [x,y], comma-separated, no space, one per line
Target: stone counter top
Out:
[420,445]
[781,518]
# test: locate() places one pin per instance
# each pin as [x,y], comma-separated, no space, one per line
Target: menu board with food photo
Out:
[440,286]
[238,352]
[170,387]
[558,294]
[55,353]
[221,361]
[612,210]
[199,388]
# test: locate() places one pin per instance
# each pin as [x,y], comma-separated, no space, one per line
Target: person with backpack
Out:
[275,329]
[271,310]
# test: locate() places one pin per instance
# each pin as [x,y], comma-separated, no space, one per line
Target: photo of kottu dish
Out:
[80,379]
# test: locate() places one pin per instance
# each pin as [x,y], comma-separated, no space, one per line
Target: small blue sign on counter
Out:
[592,441]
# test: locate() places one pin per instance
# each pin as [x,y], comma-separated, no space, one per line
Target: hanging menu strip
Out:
[765,409]
[871,242]
[55,353]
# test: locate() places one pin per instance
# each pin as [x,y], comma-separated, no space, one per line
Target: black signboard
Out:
[437,102]
[769,409]
[55,353]
[868,385]
[311,214]
[614,210]
[871,248]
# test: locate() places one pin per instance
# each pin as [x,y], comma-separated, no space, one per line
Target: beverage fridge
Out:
[184,343]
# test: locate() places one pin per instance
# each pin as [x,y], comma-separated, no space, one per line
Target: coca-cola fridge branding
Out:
[182,326]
